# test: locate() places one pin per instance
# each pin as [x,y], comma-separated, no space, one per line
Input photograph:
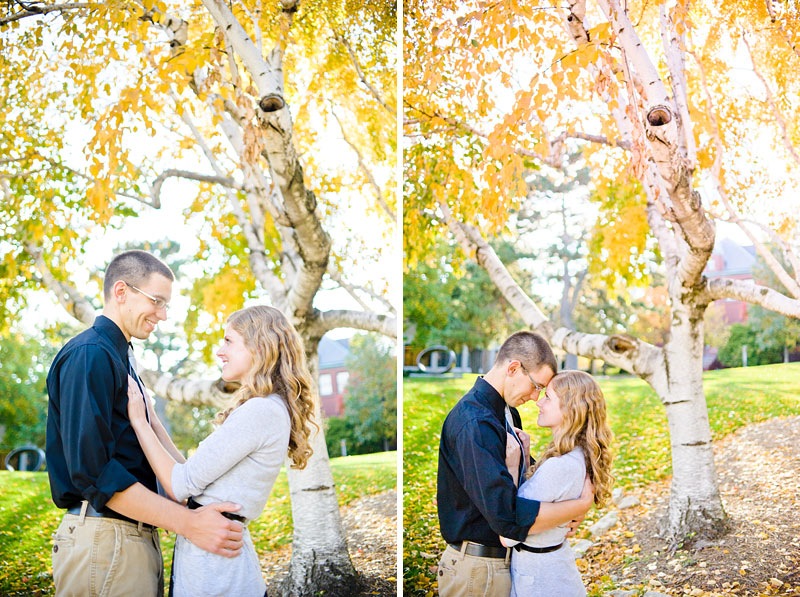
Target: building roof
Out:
[730,259]
[333,353]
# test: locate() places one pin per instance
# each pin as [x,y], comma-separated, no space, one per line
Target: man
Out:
[476,492]
[107,542]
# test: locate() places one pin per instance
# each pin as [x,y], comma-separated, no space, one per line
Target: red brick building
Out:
[333,375]
[730,260]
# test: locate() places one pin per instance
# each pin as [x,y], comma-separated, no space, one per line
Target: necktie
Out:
[135,376]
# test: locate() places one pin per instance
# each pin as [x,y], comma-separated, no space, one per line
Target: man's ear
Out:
[119,291]
[512,366]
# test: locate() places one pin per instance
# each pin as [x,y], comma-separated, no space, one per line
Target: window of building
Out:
[341,380]
[325,384]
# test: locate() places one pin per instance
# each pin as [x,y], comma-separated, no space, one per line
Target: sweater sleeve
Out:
[248,428]
[555,479]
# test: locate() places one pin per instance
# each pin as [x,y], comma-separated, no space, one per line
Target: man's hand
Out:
[211,531]
[587,495]
[573,525]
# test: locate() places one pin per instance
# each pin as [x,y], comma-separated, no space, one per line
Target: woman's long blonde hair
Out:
[279,367]
[583,424]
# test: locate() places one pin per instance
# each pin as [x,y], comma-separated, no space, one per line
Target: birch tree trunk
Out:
[223,89]
[651,79]
[320,560]
[675,372]
[695,503]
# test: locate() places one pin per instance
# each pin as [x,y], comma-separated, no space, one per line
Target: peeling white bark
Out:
[68,296]
[267,73]
[750,292]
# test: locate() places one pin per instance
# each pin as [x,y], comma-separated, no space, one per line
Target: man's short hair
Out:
[530,349]
[134,267]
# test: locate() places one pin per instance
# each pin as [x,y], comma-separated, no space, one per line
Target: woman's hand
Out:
[525,438]
[137,404]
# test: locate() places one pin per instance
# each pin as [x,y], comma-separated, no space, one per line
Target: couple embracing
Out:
[504,516]
[118,475]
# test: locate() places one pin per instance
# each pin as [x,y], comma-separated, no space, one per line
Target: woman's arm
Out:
[158,427]
[160,458]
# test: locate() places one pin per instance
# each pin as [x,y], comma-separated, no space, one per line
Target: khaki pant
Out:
[461,575]
[105,557]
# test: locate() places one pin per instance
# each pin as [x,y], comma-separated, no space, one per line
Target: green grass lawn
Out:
[735,397]
[28,518]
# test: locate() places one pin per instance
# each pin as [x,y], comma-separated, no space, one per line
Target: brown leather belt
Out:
[480,551]
[90,511]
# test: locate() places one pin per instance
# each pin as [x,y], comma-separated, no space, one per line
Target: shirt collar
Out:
[110,330]
[491,397]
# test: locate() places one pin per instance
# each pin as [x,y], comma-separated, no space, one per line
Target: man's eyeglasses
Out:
[159,303]
[537,387]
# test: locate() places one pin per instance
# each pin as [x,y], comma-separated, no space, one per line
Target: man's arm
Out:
[553,514]
[204,527]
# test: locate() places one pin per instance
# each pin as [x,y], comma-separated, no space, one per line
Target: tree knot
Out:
[621,343]
[659,116]
[272,102]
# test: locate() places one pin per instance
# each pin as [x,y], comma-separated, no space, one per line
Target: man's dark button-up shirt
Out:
[92,450]
[475,493]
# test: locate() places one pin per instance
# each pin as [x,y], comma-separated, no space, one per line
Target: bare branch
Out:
[390,109]
[69,297]
[33,9]
[363,167]
[361,320]
[750,292]
[198,391]
[354,291]
[772,263]
[776,113]
[155,190]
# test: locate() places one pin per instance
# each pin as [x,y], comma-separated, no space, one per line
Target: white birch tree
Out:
[250,91]
[649,92]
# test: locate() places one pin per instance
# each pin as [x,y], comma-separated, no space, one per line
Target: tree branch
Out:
[363,167]
[206,392]
[776,113]
[267,72]
[623,351]
[773,264]
[155,189]
[362,78]
[683,204]
[69,297]
[354,290]
[326,321]
[32,9]
[750,292]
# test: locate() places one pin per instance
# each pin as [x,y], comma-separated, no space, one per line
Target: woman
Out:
[575,411]
[239,462]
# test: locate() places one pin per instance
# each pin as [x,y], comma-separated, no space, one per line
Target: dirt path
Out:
[370,525]
[759,470]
